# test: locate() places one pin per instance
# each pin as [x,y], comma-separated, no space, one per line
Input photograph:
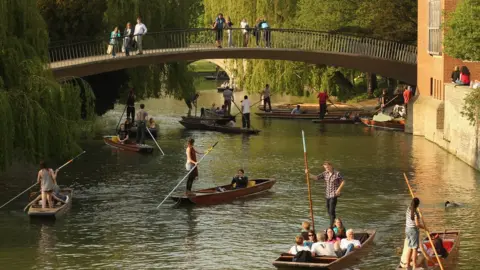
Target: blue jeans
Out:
[349,249]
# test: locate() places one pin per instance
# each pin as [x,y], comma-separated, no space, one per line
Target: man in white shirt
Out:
[296,110]
[228,97]
[246,113]
[266,98]
[322,248]
[140,30]
[349,244]
[244,25]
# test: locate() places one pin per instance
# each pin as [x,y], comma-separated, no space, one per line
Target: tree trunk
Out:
[371,83]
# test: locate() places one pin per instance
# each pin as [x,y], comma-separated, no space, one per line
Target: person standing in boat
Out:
[246,112]
[334,184]
[228,99]
[190,101]
[191,162]
[142,118]
[266,99]
[131,105]
[412,232]
[322,102]
[46,178]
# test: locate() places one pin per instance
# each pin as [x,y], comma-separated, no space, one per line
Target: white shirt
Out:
[296,111]
[323,249]
[244,25]
[245,106]
[293,250]
[344,243]
[227,94]
[266,93]
[140,29]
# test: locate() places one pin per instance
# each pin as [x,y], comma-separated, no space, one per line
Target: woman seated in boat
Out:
[240,180]
[339,229]
[349,244]
[122,135]
[345,116]
[151,123]
[220,111]
[296,110]
[298,246]
[324,248]
[312,238]
[331,237]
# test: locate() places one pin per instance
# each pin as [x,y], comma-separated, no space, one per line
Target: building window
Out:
[434,30]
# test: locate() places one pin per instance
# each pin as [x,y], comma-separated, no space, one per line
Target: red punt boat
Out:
[392,125]
[214,196]
[142,148]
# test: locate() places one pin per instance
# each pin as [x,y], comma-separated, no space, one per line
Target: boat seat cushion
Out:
[251,183]
[115,139]
[447,244]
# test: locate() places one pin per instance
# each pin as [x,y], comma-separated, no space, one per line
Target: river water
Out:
[114,223]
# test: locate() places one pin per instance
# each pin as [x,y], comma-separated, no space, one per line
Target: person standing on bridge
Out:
[127,39]
[140,30]
[229,26]
[245,29]
[333,186]
[322,101]
[266,32]
[114,40]
[218,26]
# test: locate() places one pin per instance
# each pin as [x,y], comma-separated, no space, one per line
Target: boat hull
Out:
[333,121]
[218,120]
[140,148]
[331,263]
[210,126]
[36,211]
[390,125]
[212,196]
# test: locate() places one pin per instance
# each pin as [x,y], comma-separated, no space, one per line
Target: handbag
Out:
[109,49]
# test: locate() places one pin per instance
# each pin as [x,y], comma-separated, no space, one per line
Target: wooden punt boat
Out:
[133,132]
[211,126]
[212,196]
[392,125]
[141,148]
[451,242]
[35,210]
[334,121]
[288,115]
[219,120]
[365,236]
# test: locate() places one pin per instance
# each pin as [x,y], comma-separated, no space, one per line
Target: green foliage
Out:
[471,107]
[385,19]
[40,118]
[462,31]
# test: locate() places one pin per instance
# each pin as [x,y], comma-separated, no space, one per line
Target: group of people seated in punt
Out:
[124,131]
[335,241]
[218,110]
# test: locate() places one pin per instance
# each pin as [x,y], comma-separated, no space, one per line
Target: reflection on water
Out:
[113,223]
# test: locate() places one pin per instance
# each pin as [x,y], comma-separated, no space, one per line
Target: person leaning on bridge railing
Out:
[140,30]
[218,26]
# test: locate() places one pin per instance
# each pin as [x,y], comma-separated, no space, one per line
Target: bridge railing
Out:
[204,39]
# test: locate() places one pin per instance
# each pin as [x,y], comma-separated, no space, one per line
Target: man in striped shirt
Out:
[334,183]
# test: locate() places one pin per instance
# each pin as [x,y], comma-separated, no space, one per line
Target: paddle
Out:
[153,138]
[308,180]
[423,221]
[120,120]
[191,170]
[386,104]
[68,162]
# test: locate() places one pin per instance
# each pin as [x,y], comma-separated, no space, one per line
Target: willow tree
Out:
[40,117]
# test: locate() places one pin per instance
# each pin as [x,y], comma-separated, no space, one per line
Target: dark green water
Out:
[114,223]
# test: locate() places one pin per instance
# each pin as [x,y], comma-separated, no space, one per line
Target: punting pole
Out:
[308,180]
[153,138]
[423,221]
[191,170]
[68,162]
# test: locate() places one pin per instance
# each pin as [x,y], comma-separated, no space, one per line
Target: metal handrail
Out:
[197,39]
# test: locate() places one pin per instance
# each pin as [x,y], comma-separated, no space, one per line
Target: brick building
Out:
[435,67]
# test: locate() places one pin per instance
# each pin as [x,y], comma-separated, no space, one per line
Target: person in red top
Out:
[322,101]
[464,76]
[406,97]
[191,163]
